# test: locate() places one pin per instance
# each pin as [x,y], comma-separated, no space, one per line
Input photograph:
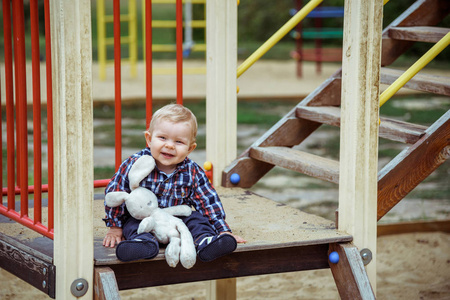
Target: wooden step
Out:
[421,82]
[306,163]
[429,34]
[389,129]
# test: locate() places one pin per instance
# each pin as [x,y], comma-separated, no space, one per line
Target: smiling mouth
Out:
[167,155]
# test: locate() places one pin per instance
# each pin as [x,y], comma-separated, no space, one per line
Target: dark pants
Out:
[197,224]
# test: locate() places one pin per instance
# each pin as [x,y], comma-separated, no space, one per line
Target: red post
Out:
[179,42]
[21,103]
[48,62]
[9,104]
[117,82]
[37,140]
[148,61]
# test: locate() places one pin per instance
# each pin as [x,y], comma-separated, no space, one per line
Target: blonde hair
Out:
[175,113]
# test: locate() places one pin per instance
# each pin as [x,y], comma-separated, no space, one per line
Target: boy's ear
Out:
[192,147]
[148,138]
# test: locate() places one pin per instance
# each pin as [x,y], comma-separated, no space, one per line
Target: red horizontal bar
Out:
[101,183]
[97,184]
[26,221]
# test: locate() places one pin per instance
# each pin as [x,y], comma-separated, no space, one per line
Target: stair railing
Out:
[414,69]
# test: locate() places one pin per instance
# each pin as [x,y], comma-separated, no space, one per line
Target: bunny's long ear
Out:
[113,199]
[140,169]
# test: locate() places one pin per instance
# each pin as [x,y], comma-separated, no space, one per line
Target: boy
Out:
[176,180]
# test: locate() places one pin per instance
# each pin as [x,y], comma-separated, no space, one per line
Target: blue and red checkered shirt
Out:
[188,185]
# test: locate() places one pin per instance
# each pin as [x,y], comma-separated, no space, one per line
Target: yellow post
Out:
[132,33]
[101,36]
[277,36]
[415,68]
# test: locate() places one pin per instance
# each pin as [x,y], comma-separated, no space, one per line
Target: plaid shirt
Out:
[188,184]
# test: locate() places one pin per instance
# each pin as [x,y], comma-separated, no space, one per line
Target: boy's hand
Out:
[238,239]
[113,236]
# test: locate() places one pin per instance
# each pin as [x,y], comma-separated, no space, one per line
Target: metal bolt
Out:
[79,287]
[366,256]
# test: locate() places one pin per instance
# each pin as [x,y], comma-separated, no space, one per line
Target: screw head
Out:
[79,287]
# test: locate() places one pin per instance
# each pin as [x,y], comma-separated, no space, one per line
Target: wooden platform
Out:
[280,239]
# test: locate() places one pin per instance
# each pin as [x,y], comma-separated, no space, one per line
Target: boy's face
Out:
[170,143]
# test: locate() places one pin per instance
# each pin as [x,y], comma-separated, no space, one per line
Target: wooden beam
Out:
[222,289]
[414,226]
[420,82]
[221,99]
[105,284]
[427,34]
[27,264]
[221,89]
[73,144]
[402,174]
[423,12]
[349,273]
[303,162]
[359,124]
[389,128]
[237,264]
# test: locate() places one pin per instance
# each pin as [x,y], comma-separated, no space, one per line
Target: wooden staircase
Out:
[427,148]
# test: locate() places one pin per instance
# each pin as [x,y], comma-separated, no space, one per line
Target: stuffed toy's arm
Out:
[178,210]
[114,199]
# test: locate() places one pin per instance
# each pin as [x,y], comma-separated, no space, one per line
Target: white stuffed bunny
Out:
[142,204]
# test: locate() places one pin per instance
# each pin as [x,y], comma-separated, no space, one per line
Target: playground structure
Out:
[318,33]
[310,243]
[189,45]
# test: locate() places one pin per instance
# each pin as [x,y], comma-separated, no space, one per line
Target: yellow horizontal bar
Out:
[174,1]
[414,69]
[172,48]
[110,18]
[123,40]
[173,24]
[277,36]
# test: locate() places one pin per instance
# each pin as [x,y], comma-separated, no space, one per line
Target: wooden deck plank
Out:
[420,82]
[391,129]
[264,223]
[429,34]
[303,162]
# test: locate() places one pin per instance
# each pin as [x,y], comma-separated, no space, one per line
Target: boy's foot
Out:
[213,247]
[136,249]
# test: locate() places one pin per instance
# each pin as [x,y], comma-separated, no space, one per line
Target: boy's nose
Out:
[169,145]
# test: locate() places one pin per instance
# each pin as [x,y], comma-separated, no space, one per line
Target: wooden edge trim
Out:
[105,284]
[349,273]
[21,262]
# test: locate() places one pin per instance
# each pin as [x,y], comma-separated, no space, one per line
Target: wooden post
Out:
[105,286]
[73,147]
[221,103]
[349,273]
[221,99]
[359,125]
